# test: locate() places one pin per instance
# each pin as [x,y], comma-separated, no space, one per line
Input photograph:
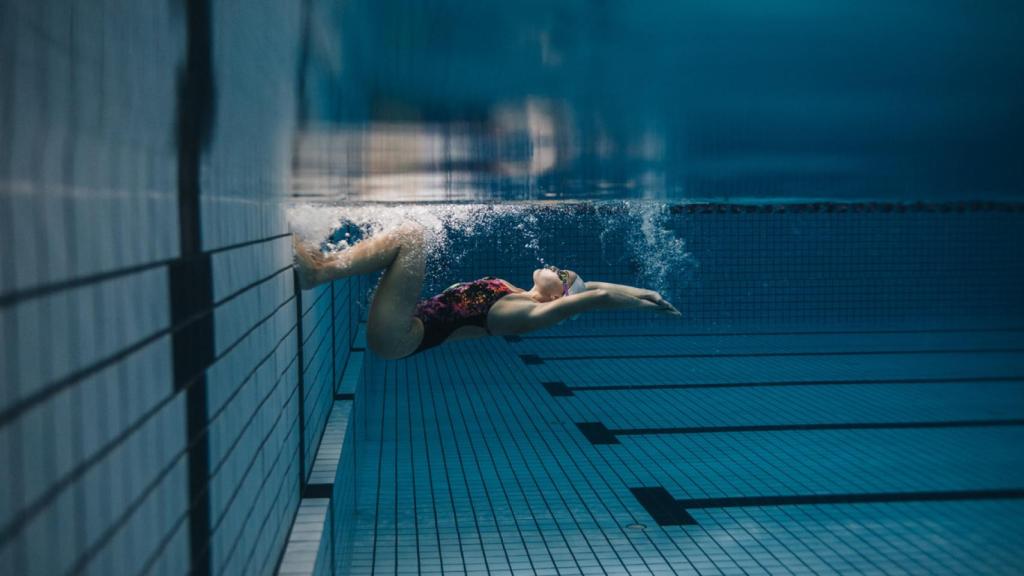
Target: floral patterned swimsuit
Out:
[462,304]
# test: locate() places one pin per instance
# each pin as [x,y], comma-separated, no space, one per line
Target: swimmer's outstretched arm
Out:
[633,291]
[551,313]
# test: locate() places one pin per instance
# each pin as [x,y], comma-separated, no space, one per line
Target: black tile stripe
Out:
[854,498]
[191,293]
[667,511]
[662,507]
[557,388]
[780,383]
[333,330]
[598,433]
[535,359]
[318,491]
[996,423]
[531,359]
[300,354]
[195,124]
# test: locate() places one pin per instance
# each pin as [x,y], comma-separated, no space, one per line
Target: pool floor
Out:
[789,453]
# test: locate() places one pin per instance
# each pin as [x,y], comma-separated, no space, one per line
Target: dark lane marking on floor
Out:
[663,508]
[598,433]
[557,388]
[535,359]
[667,511]
[518,338]
[780,383]
[530,359]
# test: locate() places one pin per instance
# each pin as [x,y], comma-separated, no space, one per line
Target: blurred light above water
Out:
[451,101]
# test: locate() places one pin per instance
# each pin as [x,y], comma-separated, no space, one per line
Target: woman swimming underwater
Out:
[400,324]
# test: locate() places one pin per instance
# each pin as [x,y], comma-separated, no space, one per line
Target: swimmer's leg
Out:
[364,257]
[392,331]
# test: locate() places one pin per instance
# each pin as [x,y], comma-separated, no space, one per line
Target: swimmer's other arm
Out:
[631,290]
[635,292]
[551,313]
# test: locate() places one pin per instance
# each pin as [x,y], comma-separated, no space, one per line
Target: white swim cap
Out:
[577,286]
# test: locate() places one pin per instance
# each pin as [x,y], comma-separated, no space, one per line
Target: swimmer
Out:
[401,325]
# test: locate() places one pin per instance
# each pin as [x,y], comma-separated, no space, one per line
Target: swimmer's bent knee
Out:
[393,346]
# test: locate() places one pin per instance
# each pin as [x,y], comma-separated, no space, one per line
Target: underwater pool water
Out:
[843,394]
[830,192]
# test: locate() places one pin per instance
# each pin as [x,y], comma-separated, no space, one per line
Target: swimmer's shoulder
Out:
[510,313]
[515,289]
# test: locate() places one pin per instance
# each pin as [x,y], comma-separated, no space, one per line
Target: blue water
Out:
[843,394]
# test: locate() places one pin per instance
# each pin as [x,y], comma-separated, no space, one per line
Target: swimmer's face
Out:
[548,285]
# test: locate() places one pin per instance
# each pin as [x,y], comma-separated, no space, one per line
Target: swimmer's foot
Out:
[309,263]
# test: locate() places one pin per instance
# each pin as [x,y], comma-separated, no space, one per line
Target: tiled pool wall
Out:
[163,384]
[780,267]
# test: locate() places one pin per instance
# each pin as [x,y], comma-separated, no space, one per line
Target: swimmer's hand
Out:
[663,306]
[645,299]
[308,262]
[652,299]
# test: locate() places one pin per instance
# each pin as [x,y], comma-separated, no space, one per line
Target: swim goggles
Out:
[562,275]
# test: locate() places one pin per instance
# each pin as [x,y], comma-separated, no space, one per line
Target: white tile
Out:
[103,230]
[91,392]
[37,459]
[61,345]
[40,534]
[64,434]
[84,256]
[28,126]
[27,227]
[66,545]
[112,414]
[29,346]
[8,356]
[7,248]
[7,498]
[84,304]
